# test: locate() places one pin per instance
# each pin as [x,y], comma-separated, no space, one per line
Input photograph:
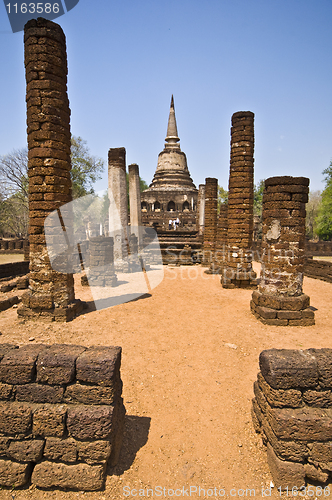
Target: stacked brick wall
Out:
[61,415]
[51,294]
[318,248]
[280,299]
[239,272]
[319,269]
[13,269]
[210,220]
[292,410]
[101,262]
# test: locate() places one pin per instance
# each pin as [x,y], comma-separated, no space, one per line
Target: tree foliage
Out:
[312,211]
[222,196]
[14,183]
[324,218]
[258,197]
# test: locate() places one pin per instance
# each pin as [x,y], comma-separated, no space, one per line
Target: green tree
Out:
[222,196]
[86,169]
[324,218]
[312,211]
[258,197]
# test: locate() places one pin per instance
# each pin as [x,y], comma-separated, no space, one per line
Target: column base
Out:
[282,311]
[239,279]
[60,314]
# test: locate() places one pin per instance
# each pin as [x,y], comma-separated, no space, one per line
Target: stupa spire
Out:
[172,138]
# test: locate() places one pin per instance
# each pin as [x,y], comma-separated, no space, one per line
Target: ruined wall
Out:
[210,220]
[318,269]
[13,269]
[239,272]
[292,410]
[280,299]
[101,262]
[61,415]
[51,294]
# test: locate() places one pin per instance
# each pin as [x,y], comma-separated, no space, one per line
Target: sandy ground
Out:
[190,357]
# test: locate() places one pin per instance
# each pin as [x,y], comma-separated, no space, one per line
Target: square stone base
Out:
[60,314]
[282,311]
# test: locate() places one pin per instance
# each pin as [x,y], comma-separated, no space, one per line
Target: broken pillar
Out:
[220,254]
[51,293]
[210,220]
[135,203]
[279,299]
[239,272]
[118,209]
[201,209]
[101,262]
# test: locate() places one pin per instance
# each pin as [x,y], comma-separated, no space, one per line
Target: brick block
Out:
[87,423]
[280,398]
[285,474]
[57,364]
[315,474]
[288,368]
[29,450]
[13,474]
[6,391]
[49,420]
[286,450]
[15,418]
[324,364]
[266,312]
[38,393]
[4,444]
[321,452]
[98,365]
[62,450]
[77,477]
[303,424]
[94,452]
[320,399]
[18,365]
[93,395]
[289,315]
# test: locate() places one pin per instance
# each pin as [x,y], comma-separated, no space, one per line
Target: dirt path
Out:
[190,357]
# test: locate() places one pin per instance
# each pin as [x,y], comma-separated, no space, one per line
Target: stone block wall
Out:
[319,269]
[13,269]
[61,415]
[292,410]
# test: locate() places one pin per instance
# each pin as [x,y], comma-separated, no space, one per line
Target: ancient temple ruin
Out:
[172,192]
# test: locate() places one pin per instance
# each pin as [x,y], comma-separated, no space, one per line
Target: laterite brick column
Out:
[61,415]
[292,410]
[220,257]
[101,262]
[118,212]
[239,272]
[210,220]
[201,209]
[135,203]
[279,299]
[51,294]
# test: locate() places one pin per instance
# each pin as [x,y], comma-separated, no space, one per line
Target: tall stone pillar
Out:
[201,209]
[135,203]
[239,272]
[220,254]
[118,210]
[51,293]
[210,220]
[279,299]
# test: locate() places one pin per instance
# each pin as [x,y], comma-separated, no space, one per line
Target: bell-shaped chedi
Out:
[172,172]
[172,193]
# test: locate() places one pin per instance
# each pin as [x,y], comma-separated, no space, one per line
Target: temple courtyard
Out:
[190,357]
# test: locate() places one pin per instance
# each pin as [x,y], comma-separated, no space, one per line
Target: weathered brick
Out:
[15,418]
[62,450]
[94,452]
[13,474]
[57,365]
[18,365]
[6,391]
[29,450]
[285,474]
[287,368]
[49,420]
[78,477]
[90,422]
[39,393]
[302,424]
[95,395]
[98,365]
[280,398]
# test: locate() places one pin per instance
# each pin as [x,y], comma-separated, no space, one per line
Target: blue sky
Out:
[126,58]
